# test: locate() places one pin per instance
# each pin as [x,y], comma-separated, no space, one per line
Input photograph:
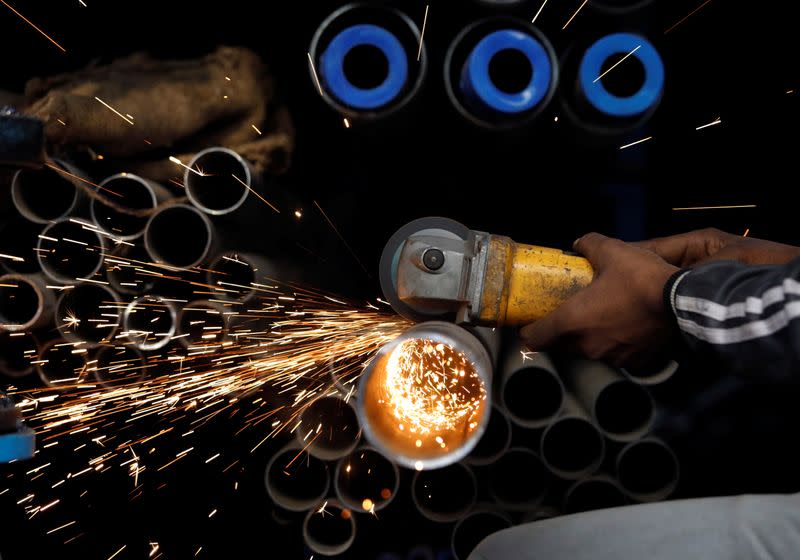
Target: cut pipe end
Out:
[22,302]
[406,416]
[217,180]
[179,236]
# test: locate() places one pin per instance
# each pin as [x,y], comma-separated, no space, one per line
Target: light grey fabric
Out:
[753,527]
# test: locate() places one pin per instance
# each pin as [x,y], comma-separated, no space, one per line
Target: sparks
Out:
[712,123]
[261,198]
[256,129]
[29,22]
[314,71]
[539,12]
[716,207]
[637,142]
[575,14]
[117,552]
[700,7]
[620,61]
[422,34]
[123,117]
[176,161]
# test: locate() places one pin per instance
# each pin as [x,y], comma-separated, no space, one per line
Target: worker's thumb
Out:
[594,247]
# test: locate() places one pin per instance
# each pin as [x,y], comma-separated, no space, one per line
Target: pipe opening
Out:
[494,442]
[126,270]
[446,494]
[329,530]
[623,408]
[470,531]
[21,303]
[296,483]
[89,313]
[518,478]
[366,66]
[204,324]
[510,71]
[647,467]
[42,195]
[16,353]
[69,251]
[62,364]
[119,366]
[214,187]
[572,445]
[234,272]
[328,443]
[149,322]
[653,372]
[366,480]
[131,192]
[593,493]
[533,394]
[178,236]
[624,80]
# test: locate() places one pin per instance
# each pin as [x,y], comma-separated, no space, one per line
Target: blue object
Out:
[16,446]
[478,87]
[596,93]
[332,67]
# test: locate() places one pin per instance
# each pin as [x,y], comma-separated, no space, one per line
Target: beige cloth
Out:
[177,107]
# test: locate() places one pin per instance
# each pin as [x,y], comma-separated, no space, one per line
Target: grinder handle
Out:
[524,283]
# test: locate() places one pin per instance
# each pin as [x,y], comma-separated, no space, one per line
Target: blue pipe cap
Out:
[478,87]
[340,87]
[599,97]
[17,446]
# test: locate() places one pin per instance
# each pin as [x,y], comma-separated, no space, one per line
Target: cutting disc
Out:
[390,259]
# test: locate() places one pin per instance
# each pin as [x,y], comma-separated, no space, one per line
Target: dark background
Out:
[732,60]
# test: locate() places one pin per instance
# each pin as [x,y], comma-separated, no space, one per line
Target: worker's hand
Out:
[620,317]
[704,245]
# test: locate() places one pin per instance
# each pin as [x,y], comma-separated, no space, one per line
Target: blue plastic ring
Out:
[332,67]
[479,87]
[596,93]
[17,446]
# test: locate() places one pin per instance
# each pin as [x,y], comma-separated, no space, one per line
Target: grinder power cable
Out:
[438,269]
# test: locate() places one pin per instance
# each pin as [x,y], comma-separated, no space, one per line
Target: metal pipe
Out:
[500,73]
[218,180]
[203,325]
[494,442]
[17,351]
[295,480]
[596,492]
[43,195]
[179,235]
[119,366]
[623,410]
[530,388]
[572,447]
[70,249]
[125,270]
[25,302]
[400,402]
[647,470]
[367,61]
[518,480]
[366,480]
[149,322]
[473,528]
[128,191]
[330,528]
[19,238]
[88,313]
[491,339]
[61,363]
[328,428]
[652,374]
[445,495]
[234,274]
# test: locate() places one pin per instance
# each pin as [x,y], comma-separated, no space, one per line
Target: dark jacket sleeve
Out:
[745,318]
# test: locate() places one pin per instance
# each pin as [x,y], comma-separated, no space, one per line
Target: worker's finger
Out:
[547,331]
[595,247]
[673,249]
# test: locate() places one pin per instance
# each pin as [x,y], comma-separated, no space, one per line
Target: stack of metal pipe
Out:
[82,290]
[564,435]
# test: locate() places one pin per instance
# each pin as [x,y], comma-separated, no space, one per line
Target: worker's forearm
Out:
[746,318]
